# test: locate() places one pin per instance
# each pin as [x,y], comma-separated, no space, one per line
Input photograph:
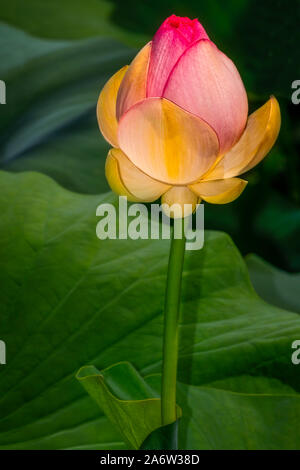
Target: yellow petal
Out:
[112,174]
[133,87]
[106,107]
[257,140]
[126,179]
[271,134]
[219,191]
[166,142]
[178,202]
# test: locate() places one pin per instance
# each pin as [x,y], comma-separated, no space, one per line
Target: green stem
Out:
[171,319]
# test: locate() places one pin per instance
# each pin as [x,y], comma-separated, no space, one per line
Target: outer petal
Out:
[106,107]
[133,86]
[173,37]
[219,191]
[257,140]
[206,82]
[166,142]
[182,199]
[126,179]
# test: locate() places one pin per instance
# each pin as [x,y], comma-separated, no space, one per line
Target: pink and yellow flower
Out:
[177,119]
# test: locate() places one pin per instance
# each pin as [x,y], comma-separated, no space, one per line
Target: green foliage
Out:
[278,220]
[273,285]
[71,19]
[69,299]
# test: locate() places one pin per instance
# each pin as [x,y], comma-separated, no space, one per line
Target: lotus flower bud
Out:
[178,117]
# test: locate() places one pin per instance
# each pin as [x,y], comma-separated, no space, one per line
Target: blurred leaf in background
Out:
[70,19]
[273,285]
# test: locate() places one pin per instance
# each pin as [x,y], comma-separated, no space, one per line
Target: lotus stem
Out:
[171,321]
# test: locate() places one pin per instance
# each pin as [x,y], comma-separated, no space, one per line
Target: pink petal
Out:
[205,82]
[174,36]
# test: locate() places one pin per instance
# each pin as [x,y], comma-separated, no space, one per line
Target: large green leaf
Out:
[248,413]
[49,122]
[274,285]
[68,299]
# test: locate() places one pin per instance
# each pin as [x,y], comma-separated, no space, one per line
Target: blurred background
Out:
[55,56]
